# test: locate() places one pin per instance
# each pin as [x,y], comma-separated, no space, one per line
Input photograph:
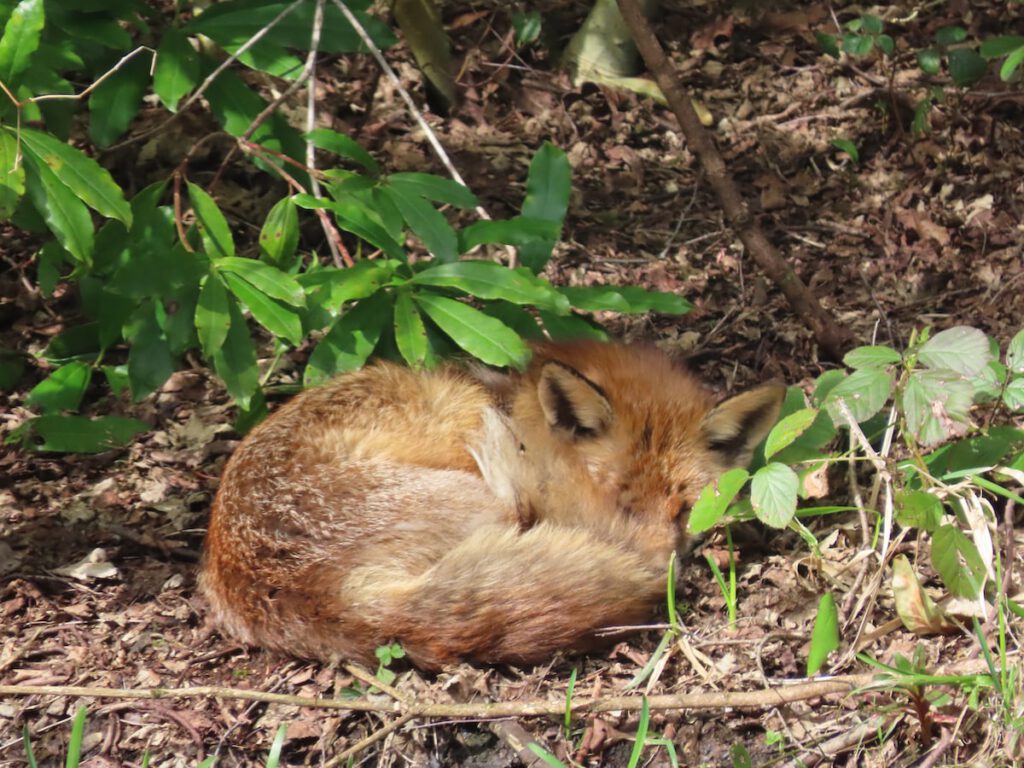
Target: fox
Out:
[468,514]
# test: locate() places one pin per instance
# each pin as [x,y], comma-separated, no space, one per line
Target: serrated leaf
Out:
[916,609]
[213,317]
[825,635]
[864,392]
[936,405]
[88,180]
[715,499]
[1013,395]
[12,176]
[426,221]
[65,215]
[79,434]
[213,227]
[918,509]
[177,68]
[410,333]
[487,280]
[279,236]
[871,24]
[487,339]
[116,101]
[519,230]
[966,66]
[340,144]
[957,561]
[435,188]
[628,299]
[272,315]
[62,390]
[1015,354]
[962,349]
[773,494]
[270,280]
[871,357]
[20,40]
[789,429]
[235,361]
[350,341]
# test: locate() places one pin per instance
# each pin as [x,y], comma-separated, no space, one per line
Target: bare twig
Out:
[832,339]
[848,739]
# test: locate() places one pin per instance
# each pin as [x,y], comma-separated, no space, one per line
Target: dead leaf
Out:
[916,609]
[93,566]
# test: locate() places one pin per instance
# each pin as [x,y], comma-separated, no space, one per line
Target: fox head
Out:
[621,436]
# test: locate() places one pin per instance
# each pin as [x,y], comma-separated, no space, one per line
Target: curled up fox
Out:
[466,514]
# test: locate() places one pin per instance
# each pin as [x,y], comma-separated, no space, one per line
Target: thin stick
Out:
[374,737]
[757,699]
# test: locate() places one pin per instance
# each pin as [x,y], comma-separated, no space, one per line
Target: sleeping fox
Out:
[469,515]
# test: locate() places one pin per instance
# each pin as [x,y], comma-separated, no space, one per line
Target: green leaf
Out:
[65,215]
[115,102]
[1013,395]
[410,333]
[12,176]
[628,299]
[213,318]
[1015,354]
[1009,67]
[871,357]
[788,430]
[270,280]
[516,231]
[864,392]
[350,341]
[272,315]
[715,499]
[435,188]
[568,327]
[20,40]
[885,44]
[548,185]
[947,36]
[483,337]
[487,280]
[871,24]
[825,635]
[87,179]
[930,61]
[918,509]
[962,349]
[235,361]
[62,390]
[958,562]
[773,493]
[426,221]
[279,236]
[826,383]
[858,45]
[150,362]
[966,66]
[352,216]
[340,144]
[213,227]
[527,27]
[331,287]
[177,68]
[936,405]
[828,44]
[995,47]
[79,434]
[847,146]
[515,317]
[12,367]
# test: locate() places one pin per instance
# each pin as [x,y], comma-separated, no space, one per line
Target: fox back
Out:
[466,514]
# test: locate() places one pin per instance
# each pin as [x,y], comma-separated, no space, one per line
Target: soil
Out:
[98,553]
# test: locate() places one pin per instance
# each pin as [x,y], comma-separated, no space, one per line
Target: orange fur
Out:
[469,516]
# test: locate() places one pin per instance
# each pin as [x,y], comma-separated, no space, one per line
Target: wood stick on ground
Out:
[832,339]
[757,699]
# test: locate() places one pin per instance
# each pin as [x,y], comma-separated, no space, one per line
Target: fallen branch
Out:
[832,339]
[758,699]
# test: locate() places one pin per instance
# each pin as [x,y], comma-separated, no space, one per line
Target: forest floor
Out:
[98,553]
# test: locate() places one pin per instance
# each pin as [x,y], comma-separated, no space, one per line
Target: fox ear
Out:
[733,428]
[572,402]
